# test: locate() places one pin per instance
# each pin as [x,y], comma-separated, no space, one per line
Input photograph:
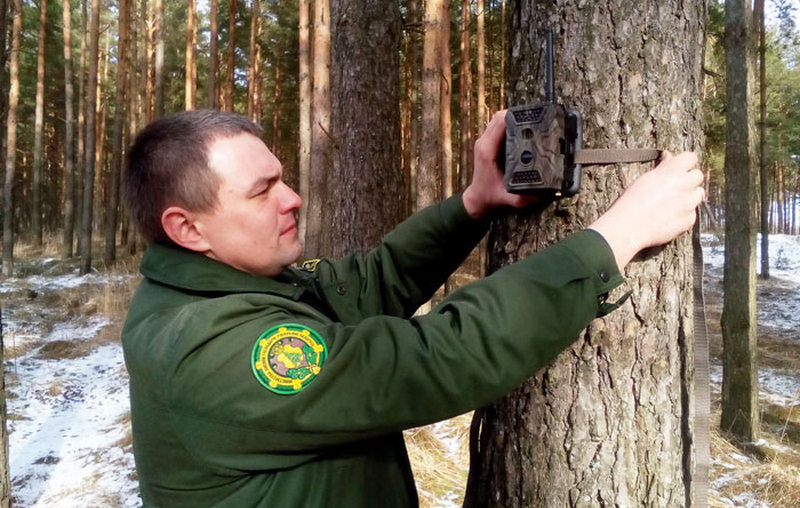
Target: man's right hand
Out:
[659,206]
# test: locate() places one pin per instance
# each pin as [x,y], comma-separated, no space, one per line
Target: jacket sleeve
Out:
[409,265]
[387,373]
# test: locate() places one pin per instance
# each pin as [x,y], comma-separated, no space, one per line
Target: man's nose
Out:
[291,200]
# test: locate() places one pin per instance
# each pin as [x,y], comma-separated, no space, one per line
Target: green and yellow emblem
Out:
[286,358]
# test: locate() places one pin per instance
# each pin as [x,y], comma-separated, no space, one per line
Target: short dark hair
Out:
[168,165]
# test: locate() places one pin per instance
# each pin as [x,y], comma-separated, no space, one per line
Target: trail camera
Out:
[541,142]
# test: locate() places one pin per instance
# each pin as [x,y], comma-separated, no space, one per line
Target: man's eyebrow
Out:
[262,183]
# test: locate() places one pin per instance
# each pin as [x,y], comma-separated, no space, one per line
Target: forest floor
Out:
[69,421]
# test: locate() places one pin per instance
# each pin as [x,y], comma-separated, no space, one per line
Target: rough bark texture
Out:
[231,67]
[158,71]
[213,52]
[465,99]
[321,142]
[89,146]
[609,422]
[112,203]
[446,92]
[481,59]
[69,134]
[763,170]
[429,176]
[190,88]
[38,131]
[739,374]
[254,65]
[11,140]
[365,186]
[304,155]
[5,476]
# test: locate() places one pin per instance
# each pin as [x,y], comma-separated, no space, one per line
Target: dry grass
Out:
[439,456]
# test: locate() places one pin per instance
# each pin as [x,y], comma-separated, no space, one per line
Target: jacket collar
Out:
[195,272]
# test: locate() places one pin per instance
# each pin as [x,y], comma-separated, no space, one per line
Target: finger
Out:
[496,129]
[665,155]
[686,160]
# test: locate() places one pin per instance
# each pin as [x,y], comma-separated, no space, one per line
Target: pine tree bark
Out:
[413,127]
[90,146]
[762,141]
[321,142]
[3,72]
[465,99]
[480,37]
[231,70]
[112,193]
[190,88]
[739,373]
[254,65]
[11,139]
[81,134]
[446,93]
[158,78]
[304,149]
[5,476]
[69,134]
[609,423]
[213,66]
[365,185]
[38,132]
[429,179]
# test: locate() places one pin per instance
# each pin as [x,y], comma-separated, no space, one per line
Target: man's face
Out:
[252,228]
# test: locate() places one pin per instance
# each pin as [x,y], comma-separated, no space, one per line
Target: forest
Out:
[373,107]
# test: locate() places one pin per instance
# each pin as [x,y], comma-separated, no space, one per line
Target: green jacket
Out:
[293,391]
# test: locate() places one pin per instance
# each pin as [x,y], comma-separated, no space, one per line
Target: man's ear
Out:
[179,225]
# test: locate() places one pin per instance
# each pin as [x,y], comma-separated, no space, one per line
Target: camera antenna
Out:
[550,87]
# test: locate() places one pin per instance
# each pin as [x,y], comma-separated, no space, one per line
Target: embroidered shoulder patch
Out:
[309,265]
[286,358]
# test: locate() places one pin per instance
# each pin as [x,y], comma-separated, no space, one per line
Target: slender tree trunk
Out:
[158,35]
[90,149]
[38,131]
[254,63]
[190,88]
[740,375]
[11,140]
[365,194]
[276,97]
[82,78]
[502,101]
[148,64]
[446,92]
[414,99]
[762,143]
[231,70]
[465,123]
[304,155]
[482,117]
[213,66]
[5,476]
[69,135]
[3,74]
[112,205]
[321,142]
[609,422]
[429,180]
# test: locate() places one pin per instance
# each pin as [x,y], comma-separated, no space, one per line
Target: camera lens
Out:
[526,157]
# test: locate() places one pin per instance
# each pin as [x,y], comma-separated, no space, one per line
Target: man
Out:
[254,383]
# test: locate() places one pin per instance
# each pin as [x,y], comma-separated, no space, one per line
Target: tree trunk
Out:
[304,155]
[321,142]
[5,480]
[609,422]
[465,123]
[481,58]
[503,49]
[11,140]
[3,73]
[69,135]
[429,179]
[254,65]
[276,97]
[228,106]
[446,92]
[112,204]
[213,58]
[364,197]
[82,78]
[414,120]
[762,143]
[89,155]
[38,131]
[148,62]
[740,374]
[158,78]
[190,89]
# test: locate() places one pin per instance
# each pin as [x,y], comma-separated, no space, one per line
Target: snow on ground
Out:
[69,438]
